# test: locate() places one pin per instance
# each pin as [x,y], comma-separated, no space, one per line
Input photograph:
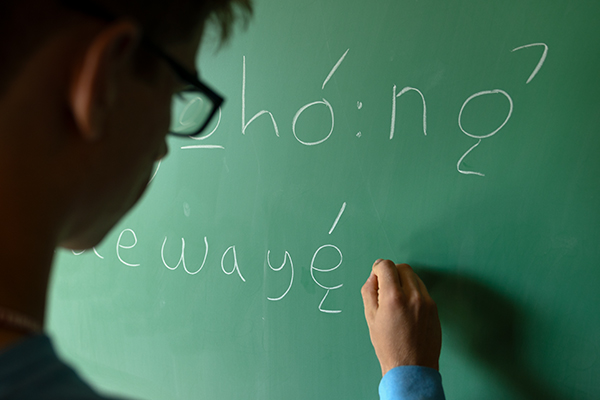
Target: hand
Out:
[402,317]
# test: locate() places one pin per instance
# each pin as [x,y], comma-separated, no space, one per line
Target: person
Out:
[86,93]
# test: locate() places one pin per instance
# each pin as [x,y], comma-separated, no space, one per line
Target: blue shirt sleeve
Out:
[411,382]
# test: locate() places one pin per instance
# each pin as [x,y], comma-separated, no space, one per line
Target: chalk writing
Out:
[301,110]
[335,67]
[182,257]
[204,137]
[236,267]
[395,96]
[263,112]
[328,288]
[188,114]
[127,239]
[540,63]
[480,137]
[122,246]
[80,252]
[338,218]
[286,257]
[98,254]
[155,172]
[359,105]
[324,102]
[181,261]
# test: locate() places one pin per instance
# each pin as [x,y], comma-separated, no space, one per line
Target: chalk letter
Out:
[328,288]
[286,256]
[80,252]
[235,263]
[480,137]
[121,246]
[182,258]
[394,97]
[244,123]
[301,110]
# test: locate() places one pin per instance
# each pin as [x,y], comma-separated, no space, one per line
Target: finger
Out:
[388,279]
[422,287]
[409,279]
[369,293]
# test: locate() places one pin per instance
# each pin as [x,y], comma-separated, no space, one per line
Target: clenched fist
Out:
[402,317]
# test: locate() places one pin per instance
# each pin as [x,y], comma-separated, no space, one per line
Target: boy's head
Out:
[85,105]
[25,24]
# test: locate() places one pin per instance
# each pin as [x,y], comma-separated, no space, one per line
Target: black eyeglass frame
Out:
[190,79]
[95,10]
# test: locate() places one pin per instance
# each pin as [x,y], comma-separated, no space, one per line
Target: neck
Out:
[26,255]
[31,201]
[39,176]
[24,278]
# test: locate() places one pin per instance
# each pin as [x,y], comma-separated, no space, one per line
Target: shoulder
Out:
[31,369]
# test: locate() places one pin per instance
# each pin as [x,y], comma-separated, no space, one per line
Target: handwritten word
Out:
[394,107]
[127,240]
[485,92]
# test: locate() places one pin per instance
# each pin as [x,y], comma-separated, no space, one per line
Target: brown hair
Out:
[24,24]
[171,20]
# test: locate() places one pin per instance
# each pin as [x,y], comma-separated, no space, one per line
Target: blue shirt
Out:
[31,370]
[411,382]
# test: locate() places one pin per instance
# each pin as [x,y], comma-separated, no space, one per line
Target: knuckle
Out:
[364,290]
[418,300]
[424,306]
[404,267]
[415,300]
[393,298]
[428,302]
[383,266]
[433,306]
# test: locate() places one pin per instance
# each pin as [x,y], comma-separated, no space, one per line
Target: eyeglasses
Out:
[192,108]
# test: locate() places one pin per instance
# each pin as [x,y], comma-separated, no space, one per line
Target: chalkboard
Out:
[461,137]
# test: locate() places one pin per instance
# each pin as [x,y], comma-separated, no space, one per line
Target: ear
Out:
[95,84]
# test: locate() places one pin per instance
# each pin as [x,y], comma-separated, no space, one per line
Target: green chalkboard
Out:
[461,137]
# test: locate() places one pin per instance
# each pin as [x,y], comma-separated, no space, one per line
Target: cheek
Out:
[144,123]
[162,113]
[150,124]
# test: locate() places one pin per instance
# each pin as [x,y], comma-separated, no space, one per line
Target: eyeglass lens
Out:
[190,111]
